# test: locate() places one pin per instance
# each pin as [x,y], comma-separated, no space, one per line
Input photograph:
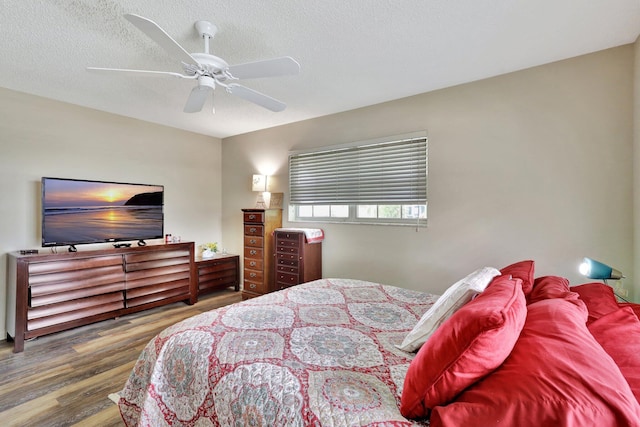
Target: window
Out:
[382,182]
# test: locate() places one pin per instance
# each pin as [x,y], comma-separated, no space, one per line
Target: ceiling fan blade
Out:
[160,36]
[197,98]
[284,66]
[256,97]
[139,72]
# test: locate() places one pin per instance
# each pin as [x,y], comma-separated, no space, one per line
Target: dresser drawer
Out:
[286,258]
[288,262]
[287,250]
[256,287]
[286,243]
[253,241]
[253,275]
[287,269]
[253,253]
[254,217]
[253,230]
[254,264]
[286,278]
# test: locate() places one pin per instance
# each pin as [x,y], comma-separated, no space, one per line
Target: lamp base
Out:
[268,200]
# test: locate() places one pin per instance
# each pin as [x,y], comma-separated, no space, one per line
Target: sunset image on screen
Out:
[76,211]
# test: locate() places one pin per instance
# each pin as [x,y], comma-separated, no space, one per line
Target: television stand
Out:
[142,243]
[48,293]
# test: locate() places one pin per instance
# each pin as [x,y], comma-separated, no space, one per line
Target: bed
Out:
[342,352]
[320,353]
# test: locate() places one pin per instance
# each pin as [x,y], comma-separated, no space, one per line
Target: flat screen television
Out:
[78,212]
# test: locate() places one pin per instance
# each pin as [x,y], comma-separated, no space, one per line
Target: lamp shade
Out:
[259,183]
[596,270]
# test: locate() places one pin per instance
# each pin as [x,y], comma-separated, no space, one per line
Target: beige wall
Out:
[40,137]
[636,168]
[534,164]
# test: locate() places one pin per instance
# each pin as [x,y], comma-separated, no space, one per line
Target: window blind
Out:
[382,173]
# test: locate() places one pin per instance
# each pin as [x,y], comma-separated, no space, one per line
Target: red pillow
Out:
[556,375]
[634,306]
[548,287]
[598,297]
[469,345]
[521,270]
[554,287]
[619,334]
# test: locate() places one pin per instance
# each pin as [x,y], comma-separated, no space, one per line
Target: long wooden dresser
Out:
[259,225]
[53,292]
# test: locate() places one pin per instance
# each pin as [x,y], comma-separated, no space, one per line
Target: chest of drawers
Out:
[219,272]
[297,261]
[258,272]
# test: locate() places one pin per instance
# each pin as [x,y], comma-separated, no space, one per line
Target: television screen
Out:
[80,211]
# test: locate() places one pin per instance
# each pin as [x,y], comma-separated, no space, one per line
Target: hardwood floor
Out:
[64,379]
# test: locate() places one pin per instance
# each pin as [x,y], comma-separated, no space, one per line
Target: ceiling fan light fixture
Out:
[207,81]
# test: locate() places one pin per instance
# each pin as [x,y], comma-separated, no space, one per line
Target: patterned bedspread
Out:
[321,353]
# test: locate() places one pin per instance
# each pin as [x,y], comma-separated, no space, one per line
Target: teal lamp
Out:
[596,270]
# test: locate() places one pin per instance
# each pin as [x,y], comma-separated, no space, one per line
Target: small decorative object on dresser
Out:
[209,249]
[259,225]
[298,256]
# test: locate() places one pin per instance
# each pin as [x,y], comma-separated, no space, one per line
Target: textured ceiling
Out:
[352,53]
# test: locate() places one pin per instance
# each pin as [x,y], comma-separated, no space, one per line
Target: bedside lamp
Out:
[259,185]
[596,270]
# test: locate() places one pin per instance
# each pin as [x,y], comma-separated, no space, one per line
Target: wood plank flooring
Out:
[64,379]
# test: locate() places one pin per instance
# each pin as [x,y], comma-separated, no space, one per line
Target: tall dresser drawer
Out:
[254,264]
[254,217]
[253,241]
[253,253]
[253,275]
[255,287]
[253,230]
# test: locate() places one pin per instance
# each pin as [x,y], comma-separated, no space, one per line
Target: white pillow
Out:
[453,298]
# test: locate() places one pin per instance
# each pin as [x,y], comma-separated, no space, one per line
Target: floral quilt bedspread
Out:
[320,353]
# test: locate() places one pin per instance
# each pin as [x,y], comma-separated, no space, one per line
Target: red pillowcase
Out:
[469,345]
[556,375]
[524,271]
[619,334]
[598,297]
[554,287]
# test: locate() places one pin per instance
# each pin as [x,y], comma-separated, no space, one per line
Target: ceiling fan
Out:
[209,70]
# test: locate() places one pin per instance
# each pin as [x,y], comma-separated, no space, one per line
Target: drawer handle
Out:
[252,241]
[252,263]
[252,285]
[253,252]
[253,229]
[253,275]
[252,216]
